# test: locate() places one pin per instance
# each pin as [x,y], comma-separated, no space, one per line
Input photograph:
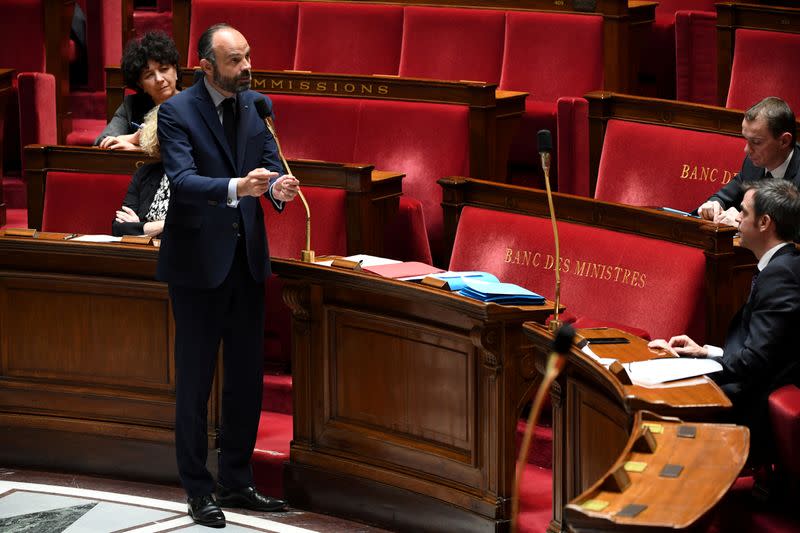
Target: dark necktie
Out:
[753,283]
[229,123]
[768,175]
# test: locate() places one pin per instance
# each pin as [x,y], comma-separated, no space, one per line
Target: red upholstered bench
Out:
[649,165]
[696,55]
[607,276]
[82,202]
[424,141]
[784,413]
[764,64]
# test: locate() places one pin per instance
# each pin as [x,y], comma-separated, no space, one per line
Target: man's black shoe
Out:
[248,498]
[206,512]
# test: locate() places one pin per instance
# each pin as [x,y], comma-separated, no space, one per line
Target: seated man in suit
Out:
[760,353]
[771,149]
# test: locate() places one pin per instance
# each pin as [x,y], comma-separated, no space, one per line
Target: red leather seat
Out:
[784,414]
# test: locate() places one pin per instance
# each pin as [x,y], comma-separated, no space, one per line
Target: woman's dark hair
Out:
[155,45]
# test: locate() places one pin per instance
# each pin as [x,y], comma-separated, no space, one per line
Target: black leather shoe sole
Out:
[270,505]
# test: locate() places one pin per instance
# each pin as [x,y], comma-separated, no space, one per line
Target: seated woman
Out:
[145,206]
[150,67]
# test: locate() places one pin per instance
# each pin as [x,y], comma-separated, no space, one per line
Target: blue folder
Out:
[500,293]
[458,280]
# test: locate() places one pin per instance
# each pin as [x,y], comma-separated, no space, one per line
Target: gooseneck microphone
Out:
[307,255]
[545,141]
[562,343]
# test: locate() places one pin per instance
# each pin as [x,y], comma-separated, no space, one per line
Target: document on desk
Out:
[96,238]
[656,371]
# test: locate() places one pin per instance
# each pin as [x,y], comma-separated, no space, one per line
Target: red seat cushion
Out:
[349,38]
[605,275]
[85,131]
[764,64]
[452,44]
[406,238]
[648,165]
[539,115]
[269,27]
[784,413]
[81,202]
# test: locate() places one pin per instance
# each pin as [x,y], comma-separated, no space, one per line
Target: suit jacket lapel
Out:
[209,113]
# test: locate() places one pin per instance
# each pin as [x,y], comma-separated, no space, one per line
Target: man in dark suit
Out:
[219,158]
[760,352]
[771,149]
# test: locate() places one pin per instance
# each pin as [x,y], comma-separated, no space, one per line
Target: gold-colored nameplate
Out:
[54,236]
[319,86]
[437,283]
[137,239]
[594,505]
[653,427]
[20,232]
[635,466]
[346,264]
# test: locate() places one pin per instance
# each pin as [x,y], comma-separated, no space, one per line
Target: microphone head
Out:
[261,108]
[565,335]
[544,141]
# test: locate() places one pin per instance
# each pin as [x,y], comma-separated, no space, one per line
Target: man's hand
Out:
[710,210]
[255,183]
[686,347]
[126,214]
[285,188]
[121,142]
[661,344]
[728,217]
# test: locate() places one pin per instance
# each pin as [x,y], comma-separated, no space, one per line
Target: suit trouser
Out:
[233,313]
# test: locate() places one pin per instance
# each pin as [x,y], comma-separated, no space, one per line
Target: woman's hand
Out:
[121,142]
[126,214]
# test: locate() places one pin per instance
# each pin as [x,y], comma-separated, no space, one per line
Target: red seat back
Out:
[452,44]
[551,55]
[606,275]
[648,165]
[764,64]
[269,27]
[81,202]
[784,412]
[22,35]
[348,38]
[424,141]
[286,231]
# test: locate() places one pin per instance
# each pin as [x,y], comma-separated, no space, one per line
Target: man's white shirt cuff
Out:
[233,198]
[713,351]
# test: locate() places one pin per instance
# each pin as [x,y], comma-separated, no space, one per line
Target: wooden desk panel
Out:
[671,504]
[406,400]
[86,338]
[593,413]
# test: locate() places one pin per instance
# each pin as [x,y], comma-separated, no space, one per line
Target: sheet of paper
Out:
[657,371]
[96,238]
[366,260]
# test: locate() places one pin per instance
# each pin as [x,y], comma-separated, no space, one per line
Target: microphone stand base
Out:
[554,324]
[307,256]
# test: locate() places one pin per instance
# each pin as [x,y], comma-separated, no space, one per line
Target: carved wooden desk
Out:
[406,400]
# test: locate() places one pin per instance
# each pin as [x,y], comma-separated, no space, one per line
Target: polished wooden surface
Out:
[711,462]
[406,400]
[749,15]
[373,196]
[729,269]
[593,411]
[86,338]
[493,115]
[6,80]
